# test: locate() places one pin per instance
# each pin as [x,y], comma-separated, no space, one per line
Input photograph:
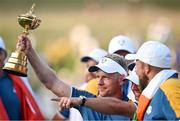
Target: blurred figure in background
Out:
[90,85]
[160,30]
[123,45]
[16,96]
[177,63]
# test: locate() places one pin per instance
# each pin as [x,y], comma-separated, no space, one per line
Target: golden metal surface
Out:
[29,21]
[20,55]
[17,63]
[15,67]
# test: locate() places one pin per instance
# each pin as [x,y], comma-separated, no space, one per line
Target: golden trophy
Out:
[17,63]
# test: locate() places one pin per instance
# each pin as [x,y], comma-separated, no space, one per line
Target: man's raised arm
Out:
[45,74]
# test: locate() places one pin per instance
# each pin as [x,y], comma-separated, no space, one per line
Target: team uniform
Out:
[164,105]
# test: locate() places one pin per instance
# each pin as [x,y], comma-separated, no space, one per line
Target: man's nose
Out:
[100,81]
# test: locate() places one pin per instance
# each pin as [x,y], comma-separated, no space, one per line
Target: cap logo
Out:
[103,60]
[122,42]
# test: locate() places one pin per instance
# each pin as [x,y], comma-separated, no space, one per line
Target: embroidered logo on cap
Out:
[103,60]
[122,42]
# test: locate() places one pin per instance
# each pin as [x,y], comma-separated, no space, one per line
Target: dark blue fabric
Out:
[65,113]
[89,114]
[174,76]
[126,87]
[9,98]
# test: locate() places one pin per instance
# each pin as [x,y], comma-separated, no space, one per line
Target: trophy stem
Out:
[26,31]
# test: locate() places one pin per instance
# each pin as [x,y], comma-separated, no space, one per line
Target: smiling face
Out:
[109,85]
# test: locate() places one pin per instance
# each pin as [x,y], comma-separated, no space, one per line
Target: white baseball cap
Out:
[2,44]
[133,77]
[153,53]
[121,43]
[109,66]
[95,54]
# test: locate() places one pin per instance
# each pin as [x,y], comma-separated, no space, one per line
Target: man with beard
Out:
[159,84]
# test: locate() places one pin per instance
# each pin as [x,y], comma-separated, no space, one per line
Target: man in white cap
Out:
[108,105]
[121,45]
[90,85]
[16,96]
[161,88]
[111,72]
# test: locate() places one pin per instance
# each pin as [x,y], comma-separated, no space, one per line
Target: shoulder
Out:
[171,89]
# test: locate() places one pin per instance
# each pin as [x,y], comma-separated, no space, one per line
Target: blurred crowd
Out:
[129,80]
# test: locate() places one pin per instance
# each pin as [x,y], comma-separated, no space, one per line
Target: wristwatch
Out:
[83,98]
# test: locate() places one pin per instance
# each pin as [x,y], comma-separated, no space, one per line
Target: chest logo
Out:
[149,110]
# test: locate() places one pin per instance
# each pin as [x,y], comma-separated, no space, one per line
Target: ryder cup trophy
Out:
[17,63]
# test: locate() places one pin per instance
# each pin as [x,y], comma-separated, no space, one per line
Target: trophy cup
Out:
[17,63]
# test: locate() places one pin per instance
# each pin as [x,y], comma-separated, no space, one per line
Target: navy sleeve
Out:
[77,93]
[65,113]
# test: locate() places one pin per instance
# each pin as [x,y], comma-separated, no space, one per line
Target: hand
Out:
[66,102]
[24,44]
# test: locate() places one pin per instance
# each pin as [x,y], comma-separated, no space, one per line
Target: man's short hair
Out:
[111,63]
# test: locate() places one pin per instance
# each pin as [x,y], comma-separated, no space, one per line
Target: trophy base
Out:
[17,64]
[14,72]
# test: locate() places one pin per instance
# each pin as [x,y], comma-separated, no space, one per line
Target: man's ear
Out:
[146,69]
[121,79]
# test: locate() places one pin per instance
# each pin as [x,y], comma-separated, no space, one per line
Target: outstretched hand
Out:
[66,102]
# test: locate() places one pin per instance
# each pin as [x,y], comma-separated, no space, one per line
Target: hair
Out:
[119,59]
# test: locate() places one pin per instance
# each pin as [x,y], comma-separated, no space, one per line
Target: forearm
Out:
[110,105]
[47,76]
